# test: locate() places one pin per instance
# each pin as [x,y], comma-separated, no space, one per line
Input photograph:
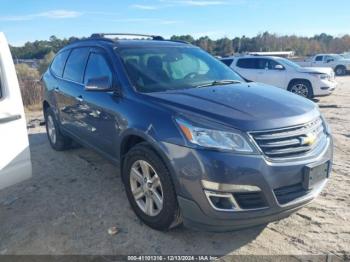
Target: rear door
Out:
[318,61]
[249,68]
[70,89]
[15,162]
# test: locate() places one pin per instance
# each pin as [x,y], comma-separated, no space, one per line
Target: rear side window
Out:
[58,63]
[75,65]
[97,67]
[249,63]
[319,58]
[227,62]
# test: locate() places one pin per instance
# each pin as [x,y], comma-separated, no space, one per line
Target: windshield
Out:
[287,62]
[157,69]
[337,57]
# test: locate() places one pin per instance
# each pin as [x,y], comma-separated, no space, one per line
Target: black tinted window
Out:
[251,63]
[262,63]
[319,58]
[227,62]
[75,65]
[97,67]
[58,63]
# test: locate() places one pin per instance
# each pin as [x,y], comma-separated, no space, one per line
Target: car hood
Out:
[316,70]
[345,60]
[246,106]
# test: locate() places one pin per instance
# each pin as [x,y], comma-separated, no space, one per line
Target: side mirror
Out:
[99,84]
[279,67]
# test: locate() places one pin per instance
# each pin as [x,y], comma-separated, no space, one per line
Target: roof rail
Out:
[103,35]
[180,41]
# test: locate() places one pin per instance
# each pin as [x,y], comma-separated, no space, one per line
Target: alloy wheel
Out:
[300,89]
[340,71]
[51,129]
[146,188]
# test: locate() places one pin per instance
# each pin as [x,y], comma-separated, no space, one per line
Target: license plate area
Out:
[314,174]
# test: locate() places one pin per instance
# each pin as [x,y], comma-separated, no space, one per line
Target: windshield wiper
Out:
[219,82]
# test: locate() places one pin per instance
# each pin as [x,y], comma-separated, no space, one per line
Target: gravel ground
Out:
[75,196]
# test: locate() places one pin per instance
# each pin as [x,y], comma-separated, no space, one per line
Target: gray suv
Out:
[193,141]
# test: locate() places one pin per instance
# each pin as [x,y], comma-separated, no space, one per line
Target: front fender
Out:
[149,135]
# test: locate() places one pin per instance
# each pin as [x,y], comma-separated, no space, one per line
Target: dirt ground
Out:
[75,196]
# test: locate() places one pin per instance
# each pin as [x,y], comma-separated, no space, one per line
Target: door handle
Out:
[9,118]
[80,98]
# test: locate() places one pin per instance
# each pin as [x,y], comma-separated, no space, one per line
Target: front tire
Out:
[149,188]
[301,88]
[57,140]
[340,70]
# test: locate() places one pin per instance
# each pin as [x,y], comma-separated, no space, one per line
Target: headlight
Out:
[215,139]
[326,125]
[323,76]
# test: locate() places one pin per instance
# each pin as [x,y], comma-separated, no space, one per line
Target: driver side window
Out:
[272,64]
[329,59]
[97,67]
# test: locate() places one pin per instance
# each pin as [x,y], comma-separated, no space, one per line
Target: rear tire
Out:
[57,140]
[140,188]
[340,70]
[302,88]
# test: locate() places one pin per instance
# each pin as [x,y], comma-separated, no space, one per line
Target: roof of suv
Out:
[103,41]
[250,56]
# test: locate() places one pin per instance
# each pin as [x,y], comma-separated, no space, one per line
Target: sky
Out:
[29,20]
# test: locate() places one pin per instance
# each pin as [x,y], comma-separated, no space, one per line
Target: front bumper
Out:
[191,166]
[324,87]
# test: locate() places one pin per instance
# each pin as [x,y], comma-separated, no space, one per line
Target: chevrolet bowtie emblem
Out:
[309,139]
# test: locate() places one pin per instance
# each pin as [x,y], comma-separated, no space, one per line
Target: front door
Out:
[271,75]
[100,108]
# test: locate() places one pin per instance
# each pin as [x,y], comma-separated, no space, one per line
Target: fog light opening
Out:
[222,201]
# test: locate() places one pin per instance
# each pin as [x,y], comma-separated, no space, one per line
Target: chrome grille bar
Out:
[290,142]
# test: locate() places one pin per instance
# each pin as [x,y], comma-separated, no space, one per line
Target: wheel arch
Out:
[340,66]
[291,82]
[134,137]
[46,105]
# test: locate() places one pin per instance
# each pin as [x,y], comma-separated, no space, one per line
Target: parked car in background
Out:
[338,63]
[346,55]
[15,162]
[283,73]
[194,142]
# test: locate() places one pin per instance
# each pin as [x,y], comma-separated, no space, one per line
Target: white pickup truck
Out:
[338,63]
[15,162]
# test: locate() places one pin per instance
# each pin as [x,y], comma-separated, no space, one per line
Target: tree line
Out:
[303,46]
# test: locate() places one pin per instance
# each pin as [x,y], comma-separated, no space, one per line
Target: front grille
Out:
[291,142]
[289,193]
[250,200]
